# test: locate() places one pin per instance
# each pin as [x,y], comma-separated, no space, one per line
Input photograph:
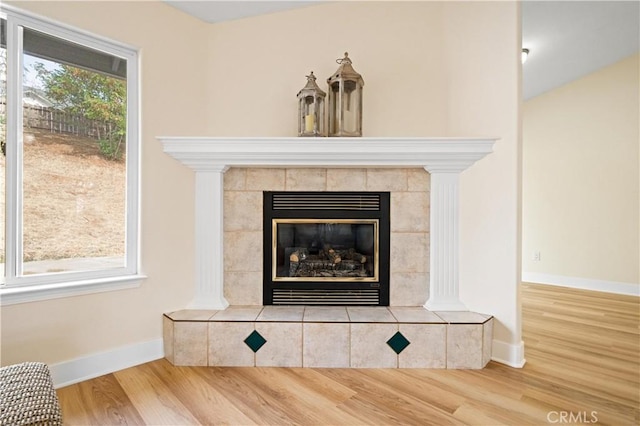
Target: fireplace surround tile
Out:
[464,346]
[168,338]
[243,251]
[387,180]
[326,314]
[326,345]
[282,313]
[243,288]
[306,180]
[408,270]
[242,214]
[427,348]
[418,180]
[487,339]
[462,317]
[238,313]
[369,348]
[235,179]
[369,314]
[410,212]
[409,289]
[265,180]
[409,314]
[284,344]
[191,315]
[190,342]
[226,344]
[405,249]
[346,179]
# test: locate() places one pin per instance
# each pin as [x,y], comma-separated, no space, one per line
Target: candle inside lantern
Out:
[310,108]
[309,122]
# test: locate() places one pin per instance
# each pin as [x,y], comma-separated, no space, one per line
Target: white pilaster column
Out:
[209,291]
[443,264]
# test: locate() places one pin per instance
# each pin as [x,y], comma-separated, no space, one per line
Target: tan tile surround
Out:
[409,263]
[337,337]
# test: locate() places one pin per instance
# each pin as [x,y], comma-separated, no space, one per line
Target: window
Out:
[69,167]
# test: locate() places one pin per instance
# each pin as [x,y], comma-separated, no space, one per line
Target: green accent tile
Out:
[255,341]
[398,342]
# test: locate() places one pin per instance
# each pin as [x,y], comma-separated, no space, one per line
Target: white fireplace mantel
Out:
[443,158]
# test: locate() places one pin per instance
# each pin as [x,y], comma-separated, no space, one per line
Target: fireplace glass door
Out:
[325,250]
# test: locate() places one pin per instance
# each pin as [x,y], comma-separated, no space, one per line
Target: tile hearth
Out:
[334,337]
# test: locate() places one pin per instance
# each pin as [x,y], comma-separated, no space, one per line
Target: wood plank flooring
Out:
[583,367]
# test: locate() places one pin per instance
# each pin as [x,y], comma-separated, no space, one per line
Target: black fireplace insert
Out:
[326,248]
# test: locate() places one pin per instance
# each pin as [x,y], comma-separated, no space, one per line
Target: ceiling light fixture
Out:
[525,55]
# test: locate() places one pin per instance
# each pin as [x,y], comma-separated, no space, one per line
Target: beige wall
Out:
[172,83]
[483,66]
[581,177]
[258,65]
[430,69]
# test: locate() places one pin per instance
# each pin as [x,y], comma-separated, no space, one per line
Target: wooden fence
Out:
[56,121]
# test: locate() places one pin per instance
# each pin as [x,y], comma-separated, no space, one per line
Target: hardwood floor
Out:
[583,367]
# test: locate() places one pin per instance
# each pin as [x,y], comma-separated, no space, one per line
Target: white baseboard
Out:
[509,354]
[630,289]
[95,365]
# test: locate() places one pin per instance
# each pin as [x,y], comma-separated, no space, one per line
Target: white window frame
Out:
[16,287]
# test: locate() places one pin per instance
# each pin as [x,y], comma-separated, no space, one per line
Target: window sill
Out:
[35,293]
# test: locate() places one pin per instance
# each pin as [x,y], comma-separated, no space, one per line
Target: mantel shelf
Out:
[434,154]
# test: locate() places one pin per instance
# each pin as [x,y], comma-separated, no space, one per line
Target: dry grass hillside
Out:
[74,199]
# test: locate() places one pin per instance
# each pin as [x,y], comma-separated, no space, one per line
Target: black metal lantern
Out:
[345,100]
[311,109]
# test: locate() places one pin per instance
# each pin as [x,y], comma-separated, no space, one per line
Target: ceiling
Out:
[567,39]
[570,39]
[220,10]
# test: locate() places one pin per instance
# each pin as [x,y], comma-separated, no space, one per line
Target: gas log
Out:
[328,262]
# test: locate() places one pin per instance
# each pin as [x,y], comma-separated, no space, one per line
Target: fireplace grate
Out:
[326,297]
[326,201]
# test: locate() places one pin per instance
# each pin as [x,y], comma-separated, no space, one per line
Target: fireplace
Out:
[326,248]
[422,251]
[443,158]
